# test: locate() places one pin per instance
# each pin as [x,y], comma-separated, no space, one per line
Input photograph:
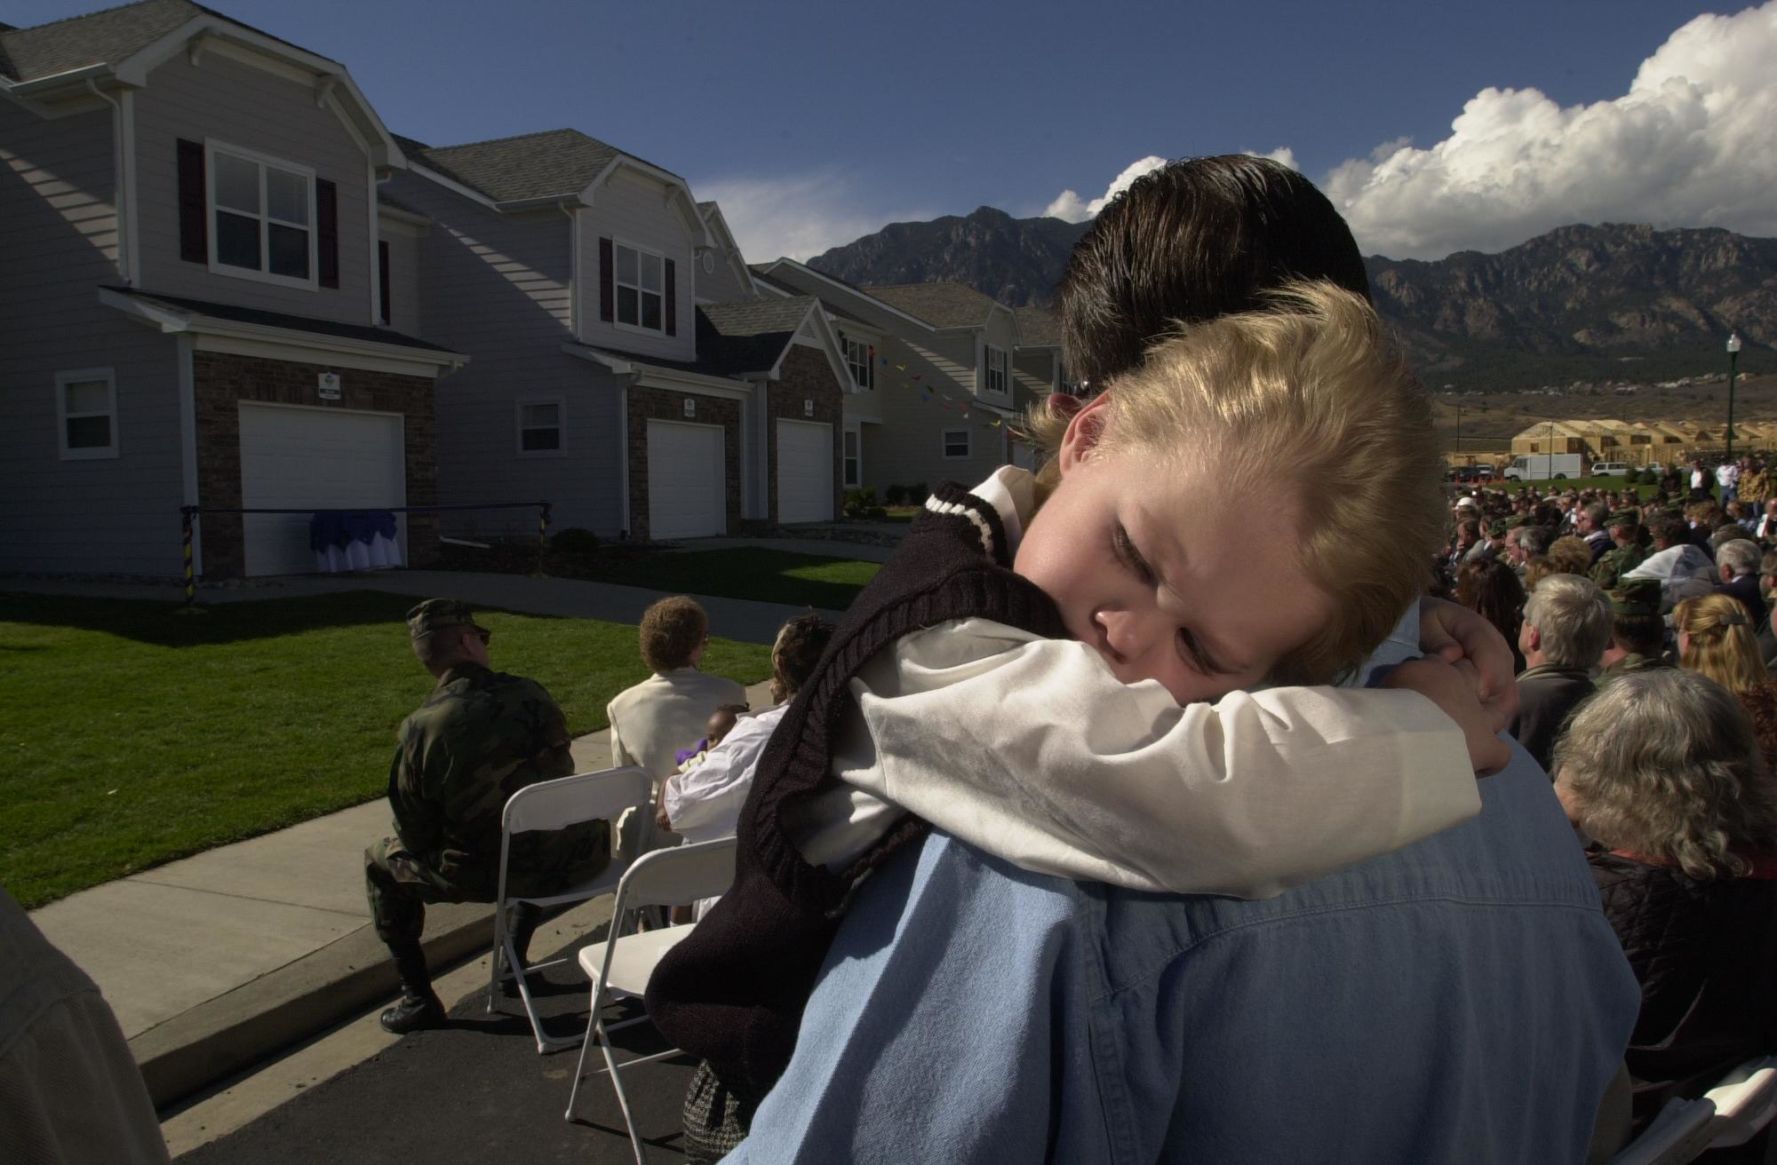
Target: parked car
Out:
[1610,469]
[1463,473]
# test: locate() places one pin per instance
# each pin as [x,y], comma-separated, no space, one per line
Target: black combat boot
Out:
[419,1006]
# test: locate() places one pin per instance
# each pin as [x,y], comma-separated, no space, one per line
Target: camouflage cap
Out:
[1497,528]
[1636,597]
[1624,518]
[1517,520]
[438,614]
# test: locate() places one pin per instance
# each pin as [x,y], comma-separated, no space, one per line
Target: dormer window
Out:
[262,216]
[995,365]
[641,289]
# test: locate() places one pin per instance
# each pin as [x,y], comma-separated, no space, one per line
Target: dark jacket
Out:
[1745,588]
[1547,695]
[1705,954]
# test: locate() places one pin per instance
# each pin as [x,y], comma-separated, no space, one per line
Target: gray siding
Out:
[633,209]
[496,288]
[722,285]
[907,446]
[242,106]
[58,235]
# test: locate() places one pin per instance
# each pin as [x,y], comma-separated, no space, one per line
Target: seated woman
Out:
[1716,639]
[1491,589]
[1659,769]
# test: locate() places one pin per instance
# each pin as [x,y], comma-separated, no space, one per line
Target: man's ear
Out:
[1084,432]
[1536,637]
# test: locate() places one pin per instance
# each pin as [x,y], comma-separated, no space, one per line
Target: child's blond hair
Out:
[1309,393]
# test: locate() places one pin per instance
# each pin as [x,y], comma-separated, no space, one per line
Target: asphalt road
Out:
[473,1092]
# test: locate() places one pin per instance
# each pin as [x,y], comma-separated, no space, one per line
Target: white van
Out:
[1611,469]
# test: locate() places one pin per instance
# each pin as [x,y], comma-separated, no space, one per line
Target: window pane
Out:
[237,240]
[287,196]
[651,312]
[543,415]
[89,432]
[289,251]
[626,305]
[237,183]
[532,440]
[88,396]
[626,265]
[650,272]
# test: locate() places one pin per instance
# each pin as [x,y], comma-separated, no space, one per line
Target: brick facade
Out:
[222,381]
[662,404]
[806,376]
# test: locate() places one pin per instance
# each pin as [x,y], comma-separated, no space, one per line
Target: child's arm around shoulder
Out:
[1031,749]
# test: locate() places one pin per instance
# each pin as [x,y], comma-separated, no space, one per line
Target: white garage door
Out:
[687,480]
[313,459]
[804,472]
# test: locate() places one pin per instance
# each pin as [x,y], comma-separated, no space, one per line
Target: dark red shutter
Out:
[382,276]
[327,230]
[672,300]
[607,286]
[194,235]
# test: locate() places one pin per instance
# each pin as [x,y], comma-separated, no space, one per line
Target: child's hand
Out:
[1453,688]
[1454,634]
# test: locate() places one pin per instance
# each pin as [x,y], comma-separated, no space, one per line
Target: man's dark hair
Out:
[1644,635]
[1670,531]
[671,631]
[799,645]
[1191,241]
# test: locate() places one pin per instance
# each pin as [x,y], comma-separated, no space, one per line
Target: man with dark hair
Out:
[1197,240]
[1333,993]
[1588,523]
[481,736]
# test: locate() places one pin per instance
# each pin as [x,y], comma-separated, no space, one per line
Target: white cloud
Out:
[1689,144]
[1070,206]
[797,216]
[1282,154]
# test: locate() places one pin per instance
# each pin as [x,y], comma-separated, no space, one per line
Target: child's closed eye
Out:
[1130,557]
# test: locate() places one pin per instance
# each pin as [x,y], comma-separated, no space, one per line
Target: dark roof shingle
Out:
[278,319]
[735,339]
[1038,327]
[553,163]
[99,38]
[943,305]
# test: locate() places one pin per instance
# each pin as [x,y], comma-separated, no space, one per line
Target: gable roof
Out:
[943,305]
[105,37]
[749,335]
[1038,327]
[555,163]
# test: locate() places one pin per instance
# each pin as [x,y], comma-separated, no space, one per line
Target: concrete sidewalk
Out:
[213,962]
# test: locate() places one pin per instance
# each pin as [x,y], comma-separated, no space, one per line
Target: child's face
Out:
[1155,564]
[720,722]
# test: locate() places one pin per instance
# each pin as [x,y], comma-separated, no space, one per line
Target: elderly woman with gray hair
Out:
[1659,769]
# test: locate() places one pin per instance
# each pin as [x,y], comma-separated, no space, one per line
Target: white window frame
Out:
[989,354]
[617,286]
[851,458]
[863,361]
[519,428]
[968,444]
[263,274]
[84,376]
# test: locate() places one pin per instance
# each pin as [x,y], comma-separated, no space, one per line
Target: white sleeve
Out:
[715,787]
[619,754]
[1031,749]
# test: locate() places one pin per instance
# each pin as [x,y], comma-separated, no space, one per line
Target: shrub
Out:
[917,493]
[1649,477]
[574,540]
[895,495]
[859,502]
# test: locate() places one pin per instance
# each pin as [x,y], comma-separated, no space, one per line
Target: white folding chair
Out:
[1745,1101]
[1678,1133]
[622,964]
[556,805]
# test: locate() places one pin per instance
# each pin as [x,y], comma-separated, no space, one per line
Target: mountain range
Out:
[1601,304]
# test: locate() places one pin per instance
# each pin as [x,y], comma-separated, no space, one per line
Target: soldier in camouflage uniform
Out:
[1637,632]
[480,736]
[1625,529]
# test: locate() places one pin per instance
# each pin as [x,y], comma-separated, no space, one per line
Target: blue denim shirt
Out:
[1461,1000]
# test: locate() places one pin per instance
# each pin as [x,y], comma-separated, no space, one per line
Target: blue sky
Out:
[813,123]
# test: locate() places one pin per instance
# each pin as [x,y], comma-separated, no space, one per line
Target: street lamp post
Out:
[1733,359]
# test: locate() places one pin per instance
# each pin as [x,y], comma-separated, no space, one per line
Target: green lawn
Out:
[134,734]
[773,576]
[1613,484]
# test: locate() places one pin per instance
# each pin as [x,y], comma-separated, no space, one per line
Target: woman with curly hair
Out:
[1660,770]
[1491,589]
[1570,555]
[1716,638]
